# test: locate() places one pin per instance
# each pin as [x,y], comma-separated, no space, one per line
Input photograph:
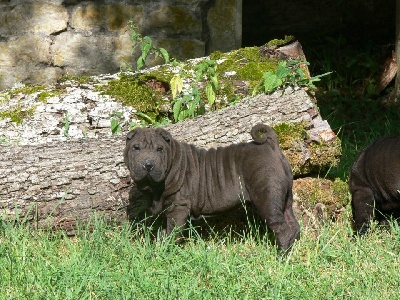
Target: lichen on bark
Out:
[13,107]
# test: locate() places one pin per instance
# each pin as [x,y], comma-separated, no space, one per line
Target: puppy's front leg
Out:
[177,215]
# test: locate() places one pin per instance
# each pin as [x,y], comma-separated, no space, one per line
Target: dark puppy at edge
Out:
[180,180]
[375,183]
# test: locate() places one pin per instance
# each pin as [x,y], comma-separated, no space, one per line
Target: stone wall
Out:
[42,40]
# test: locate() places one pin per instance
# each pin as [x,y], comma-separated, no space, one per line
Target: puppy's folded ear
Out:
[131,134]
[165,134]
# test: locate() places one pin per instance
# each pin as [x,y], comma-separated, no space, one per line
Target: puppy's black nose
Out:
[148,165]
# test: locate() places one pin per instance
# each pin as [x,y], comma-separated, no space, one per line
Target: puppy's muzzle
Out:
[148,165]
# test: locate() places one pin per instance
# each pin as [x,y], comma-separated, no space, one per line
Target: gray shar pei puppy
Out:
[375,183]
[181,180]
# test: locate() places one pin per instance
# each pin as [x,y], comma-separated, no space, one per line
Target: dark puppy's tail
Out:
[262,133]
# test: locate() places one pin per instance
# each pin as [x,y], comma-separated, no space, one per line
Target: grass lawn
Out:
[123,263]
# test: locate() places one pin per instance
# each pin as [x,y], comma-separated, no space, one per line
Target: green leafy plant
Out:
[146,46]
[176,85]
[288,73]
[147,120]
[3,140]
[208,69]
[66,123]
[115,126]
[191,105]
[188,106]
[116,123]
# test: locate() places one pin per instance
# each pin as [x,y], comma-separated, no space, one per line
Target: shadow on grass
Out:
[357,122]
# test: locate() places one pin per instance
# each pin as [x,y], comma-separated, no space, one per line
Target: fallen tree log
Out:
[58,184]
[387,73]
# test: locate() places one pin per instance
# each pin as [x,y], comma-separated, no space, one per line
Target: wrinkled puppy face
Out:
[146,156]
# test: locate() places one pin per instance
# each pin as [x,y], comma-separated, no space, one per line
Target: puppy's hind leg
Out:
[290,217]
[362,203]
[271,207]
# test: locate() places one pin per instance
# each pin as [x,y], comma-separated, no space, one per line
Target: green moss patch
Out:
[328,155]
[43,96]
[248,64]
[15,109]
[27,90]
[281,42]
[245,67]
[18,114]
[136,91]
[288,133]
[309,159]
[78,79]
[331,193]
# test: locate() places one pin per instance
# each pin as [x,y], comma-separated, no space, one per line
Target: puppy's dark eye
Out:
[160,148]
[136,147]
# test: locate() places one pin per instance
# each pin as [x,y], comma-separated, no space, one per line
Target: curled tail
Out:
[262,133]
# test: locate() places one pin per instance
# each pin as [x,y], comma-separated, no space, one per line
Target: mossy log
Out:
[61,183]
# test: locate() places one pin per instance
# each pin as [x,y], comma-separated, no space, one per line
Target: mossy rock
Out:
[318,200]
[291,137]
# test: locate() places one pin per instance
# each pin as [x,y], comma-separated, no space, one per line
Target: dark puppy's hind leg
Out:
[363,208]
[290,217]
[271,207]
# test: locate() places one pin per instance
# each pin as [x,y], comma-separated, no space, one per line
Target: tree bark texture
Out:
[388,72]
[57,184]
